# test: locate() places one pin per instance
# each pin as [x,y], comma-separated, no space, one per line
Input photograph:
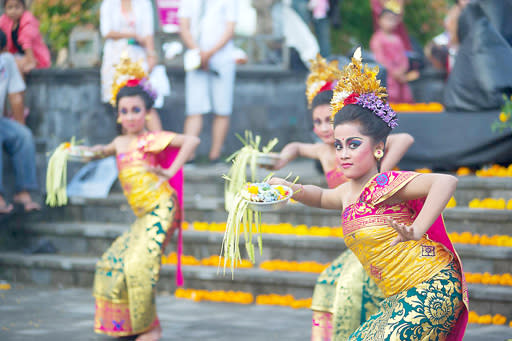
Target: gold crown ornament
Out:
[125,71]
[393,6]
[321,74]
[356,79]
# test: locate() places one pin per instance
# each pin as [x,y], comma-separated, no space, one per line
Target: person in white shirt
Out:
[208,26]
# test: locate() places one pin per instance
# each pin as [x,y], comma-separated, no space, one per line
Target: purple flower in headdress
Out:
[378,107]
[146,86]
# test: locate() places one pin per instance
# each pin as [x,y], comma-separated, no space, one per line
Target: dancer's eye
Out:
[137,110]
[338,145]
[354,144]
[123,111]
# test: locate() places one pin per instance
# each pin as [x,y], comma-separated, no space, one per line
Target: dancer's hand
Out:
[158,170]
[405,233]
[278,181]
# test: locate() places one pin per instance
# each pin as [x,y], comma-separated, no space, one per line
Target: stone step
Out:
[115,209]
[66,271]
[208,181]
[94,238]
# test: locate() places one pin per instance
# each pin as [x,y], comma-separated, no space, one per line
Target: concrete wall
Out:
[66,103]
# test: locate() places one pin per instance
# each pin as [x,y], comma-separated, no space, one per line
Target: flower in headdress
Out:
[133,82]
[352,99]
[126,71]
[356,78]
[322,77]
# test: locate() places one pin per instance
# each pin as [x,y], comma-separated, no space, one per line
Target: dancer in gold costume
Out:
[391,221]
[344,295]
[150,173]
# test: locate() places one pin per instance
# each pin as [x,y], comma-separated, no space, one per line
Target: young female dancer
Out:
[391,221]
[127,273]
[344,295]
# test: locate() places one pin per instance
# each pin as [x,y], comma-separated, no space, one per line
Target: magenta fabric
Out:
[437,233]
[165,160]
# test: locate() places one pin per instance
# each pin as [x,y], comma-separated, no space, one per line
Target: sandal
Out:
[28,205]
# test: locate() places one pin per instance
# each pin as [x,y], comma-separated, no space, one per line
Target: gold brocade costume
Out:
[422,280]
[344,290]
[127,273]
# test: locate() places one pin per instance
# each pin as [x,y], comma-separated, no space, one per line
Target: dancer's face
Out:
[14,9]
[354,151]
[132,113]
[322,123]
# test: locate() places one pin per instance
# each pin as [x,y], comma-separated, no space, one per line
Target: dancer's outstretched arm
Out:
[313,195]
[295,149]
[104,150]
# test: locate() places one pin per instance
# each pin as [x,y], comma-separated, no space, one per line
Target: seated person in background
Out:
[15,138]
[390,52]
[24,39]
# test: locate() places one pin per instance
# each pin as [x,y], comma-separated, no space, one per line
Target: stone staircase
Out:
[83,230]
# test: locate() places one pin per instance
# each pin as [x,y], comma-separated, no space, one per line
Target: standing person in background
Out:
[390,51]
[127,27]
[24,39]
[209,27]
[318,13]
[398,7]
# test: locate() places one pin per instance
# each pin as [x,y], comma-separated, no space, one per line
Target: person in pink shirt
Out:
[400,29]
[24,39]
[390,51]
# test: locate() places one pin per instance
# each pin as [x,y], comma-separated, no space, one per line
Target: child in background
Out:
[389,50]
[24,39]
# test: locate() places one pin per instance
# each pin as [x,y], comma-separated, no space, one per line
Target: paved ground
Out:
[66,314]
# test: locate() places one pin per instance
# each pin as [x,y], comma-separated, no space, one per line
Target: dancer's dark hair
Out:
[322,98]
[371,124]
[128,91]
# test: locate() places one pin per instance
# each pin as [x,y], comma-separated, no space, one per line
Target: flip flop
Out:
[29,206]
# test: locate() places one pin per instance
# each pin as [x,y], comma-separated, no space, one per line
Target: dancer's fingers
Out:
[395,241]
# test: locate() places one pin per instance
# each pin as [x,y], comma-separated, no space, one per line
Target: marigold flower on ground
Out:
[463,171]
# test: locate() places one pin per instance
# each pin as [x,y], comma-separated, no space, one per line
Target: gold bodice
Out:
[368,235]
[142,188]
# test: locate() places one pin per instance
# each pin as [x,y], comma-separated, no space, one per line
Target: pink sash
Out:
[165,160]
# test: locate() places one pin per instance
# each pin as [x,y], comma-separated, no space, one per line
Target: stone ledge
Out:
[477,214]
[486,183]
[325,245]
[256,277]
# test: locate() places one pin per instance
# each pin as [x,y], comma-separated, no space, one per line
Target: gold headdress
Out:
[125,71]
[320,76]
[356,79]
[393,6]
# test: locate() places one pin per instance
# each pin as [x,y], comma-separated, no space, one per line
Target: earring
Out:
[119,120]
[147,118]
[378,154]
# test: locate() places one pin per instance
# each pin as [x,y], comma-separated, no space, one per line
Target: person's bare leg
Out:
[193,126]
[154,123]
[154,334]
[220,128]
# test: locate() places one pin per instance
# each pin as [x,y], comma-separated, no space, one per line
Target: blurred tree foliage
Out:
[58,17]
[423,19]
